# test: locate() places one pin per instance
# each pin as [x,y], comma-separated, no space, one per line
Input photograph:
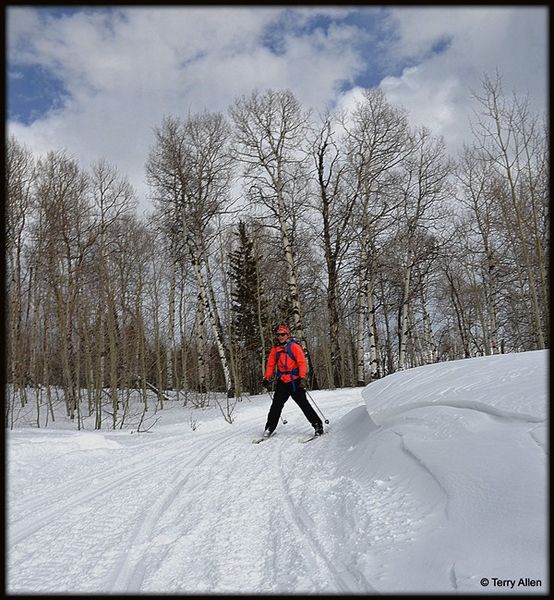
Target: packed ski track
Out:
[429,492]
[187,511]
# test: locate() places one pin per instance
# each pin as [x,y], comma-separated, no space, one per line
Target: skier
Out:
[288,357]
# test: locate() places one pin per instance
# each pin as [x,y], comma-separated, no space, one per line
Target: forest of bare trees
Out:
[380,250]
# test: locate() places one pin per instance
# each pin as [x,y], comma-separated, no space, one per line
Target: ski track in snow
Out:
[128,573]
[148,510]
[72,494]
[344,580]
[106,489]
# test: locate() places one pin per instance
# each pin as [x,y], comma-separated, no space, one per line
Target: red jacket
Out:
[286,362]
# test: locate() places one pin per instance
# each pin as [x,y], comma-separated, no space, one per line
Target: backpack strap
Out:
[292,372]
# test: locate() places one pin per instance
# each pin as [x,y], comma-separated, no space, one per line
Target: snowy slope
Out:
[430,480]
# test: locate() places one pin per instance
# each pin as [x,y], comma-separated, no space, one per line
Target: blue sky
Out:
[32,92]
[32,89]
[94,81]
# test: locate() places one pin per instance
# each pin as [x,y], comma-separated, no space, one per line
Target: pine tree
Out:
[249,311]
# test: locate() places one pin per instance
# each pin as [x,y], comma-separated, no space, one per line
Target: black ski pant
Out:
[283,391]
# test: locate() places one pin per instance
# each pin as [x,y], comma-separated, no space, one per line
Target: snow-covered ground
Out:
[430,480]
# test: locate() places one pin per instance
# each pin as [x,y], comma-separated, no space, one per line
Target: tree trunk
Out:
[430,345]
[362,310]
[404,321]
[201,345]
[203,298]
[372,329]
[170,354]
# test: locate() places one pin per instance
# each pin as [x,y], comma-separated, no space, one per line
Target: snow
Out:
[430,480]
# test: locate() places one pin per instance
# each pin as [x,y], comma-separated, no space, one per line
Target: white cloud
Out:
[126,69]
[124,72]
[437,92]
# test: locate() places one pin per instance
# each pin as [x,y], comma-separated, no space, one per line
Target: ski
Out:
[263,439]
[260,440]
[313,437]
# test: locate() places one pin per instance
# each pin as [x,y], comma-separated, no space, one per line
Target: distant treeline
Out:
[380,250]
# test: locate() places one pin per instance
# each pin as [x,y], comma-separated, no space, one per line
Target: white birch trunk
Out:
[209,310]
[491,302]
[201,345]
[292,278]
[372,329]
[360,338]
[181,377]
[404,322]
[170,368]
[263,356]
[430,345]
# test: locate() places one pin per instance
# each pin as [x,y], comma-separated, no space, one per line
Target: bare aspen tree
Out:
[162,284]
[223,243]
[181,377]
[202,284]
[20,175]
[141,371]
[456,289]
[134,246]
[429,347]
[44,342]
[36,356]
[376,138]
[505,132]
[336,198]
[424,187]
[388,353]
[157,316]
[536,179]
[189,169]
[113,199]
[170,375]
[135,243]
[224,349]
[201,346]
[270,129]
[65,214]
[476,185]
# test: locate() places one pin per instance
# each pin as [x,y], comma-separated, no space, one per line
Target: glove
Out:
[301,384]
[266,384]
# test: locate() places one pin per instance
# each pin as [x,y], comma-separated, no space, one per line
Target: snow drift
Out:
[432,480]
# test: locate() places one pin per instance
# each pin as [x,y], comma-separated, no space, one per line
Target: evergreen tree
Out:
[249,311]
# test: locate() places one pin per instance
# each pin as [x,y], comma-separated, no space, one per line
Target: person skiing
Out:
[288,358]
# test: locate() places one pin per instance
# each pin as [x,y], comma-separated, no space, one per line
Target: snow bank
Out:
[454,476]
[504,385]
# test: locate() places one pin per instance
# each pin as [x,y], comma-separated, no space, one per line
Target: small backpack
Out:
[292,372]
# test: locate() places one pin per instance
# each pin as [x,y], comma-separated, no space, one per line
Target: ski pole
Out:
[318,409]
[284,421]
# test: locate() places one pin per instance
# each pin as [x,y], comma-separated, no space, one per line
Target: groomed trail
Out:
[183,511]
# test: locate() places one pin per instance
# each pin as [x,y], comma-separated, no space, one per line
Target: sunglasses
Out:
[281,334]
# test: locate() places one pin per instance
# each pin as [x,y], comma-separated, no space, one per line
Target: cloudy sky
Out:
[94,81]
